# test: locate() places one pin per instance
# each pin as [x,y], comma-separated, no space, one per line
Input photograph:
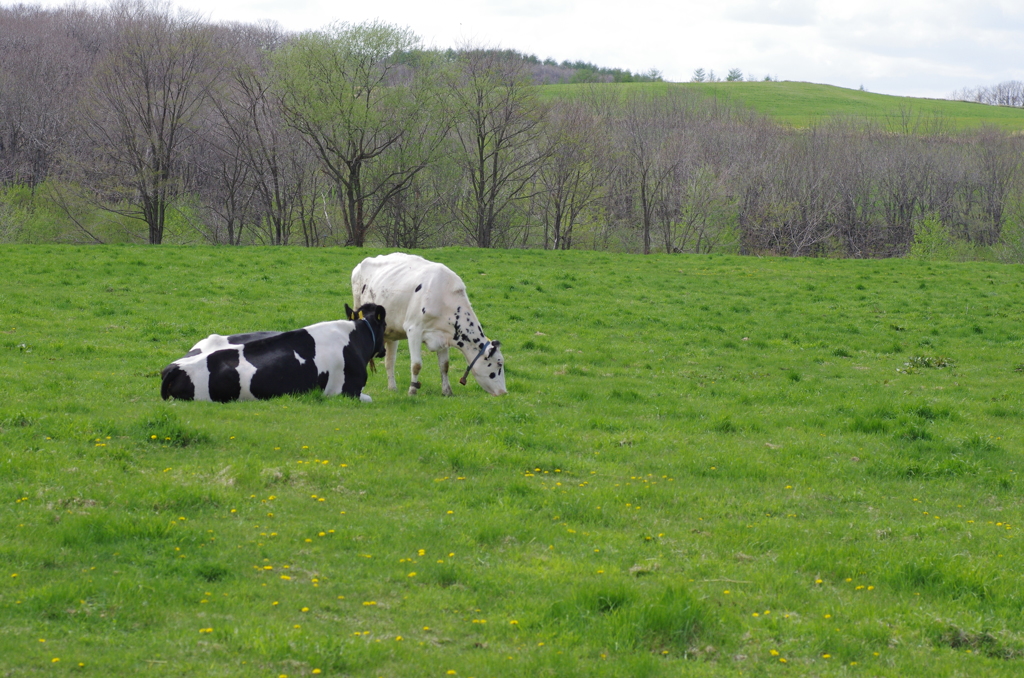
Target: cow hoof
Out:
[365,398]
[413,390]
[447,392]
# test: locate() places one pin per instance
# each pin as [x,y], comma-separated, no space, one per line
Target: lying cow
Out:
[427,304]
[331,356]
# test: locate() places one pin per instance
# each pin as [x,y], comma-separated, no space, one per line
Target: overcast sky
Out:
[925,48]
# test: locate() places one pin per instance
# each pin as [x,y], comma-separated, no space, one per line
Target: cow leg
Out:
[442,362]
[390,354]
[415,358]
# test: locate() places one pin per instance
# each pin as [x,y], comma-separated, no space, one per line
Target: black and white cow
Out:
[427,304]
[331,356]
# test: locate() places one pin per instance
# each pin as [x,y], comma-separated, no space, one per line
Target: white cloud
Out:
[774,12]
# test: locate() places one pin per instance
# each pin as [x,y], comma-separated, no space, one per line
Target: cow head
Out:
[488,368]
[374,316]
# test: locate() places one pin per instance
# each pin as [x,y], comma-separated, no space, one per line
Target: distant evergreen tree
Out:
[699,75]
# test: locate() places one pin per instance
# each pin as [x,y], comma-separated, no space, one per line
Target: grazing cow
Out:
[427,304]
[331,356]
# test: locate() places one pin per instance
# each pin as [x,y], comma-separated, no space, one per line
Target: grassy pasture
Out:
[803,104]
[706,466]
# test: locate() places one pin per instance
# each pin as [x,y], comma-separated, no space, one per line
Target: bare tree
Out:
[651,137]
[498,127]
[146,93]
[45,58]
[998,168]
[264,176]
[571,173]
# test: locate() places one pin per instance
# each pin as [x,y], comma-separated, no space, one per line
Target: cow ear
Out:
[380,314]
[349,313]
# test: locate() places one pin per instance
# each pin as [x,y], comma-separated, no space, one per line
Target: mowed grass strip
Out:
[710,465]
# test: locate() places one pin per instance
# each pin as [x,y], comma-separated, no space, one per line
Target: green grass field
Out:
[803,104]
[707,466]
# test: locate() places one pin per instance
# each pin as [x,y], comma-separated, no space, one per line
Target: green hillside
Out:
[802,104]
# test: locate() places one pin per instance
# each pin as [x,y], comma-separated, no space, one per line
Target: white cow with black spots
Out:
[426,303]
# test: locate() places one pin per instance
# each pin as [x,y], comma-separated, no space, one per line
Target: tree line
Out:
[1009,93]
[139,123]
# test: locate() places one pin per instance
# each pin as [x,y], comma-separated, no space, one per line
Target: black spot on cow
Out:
[423,310]
[492,375]
[418,287]
[225,384]
[176,383]
[364,290]
[355,372]
[278,370]
[460,344]
[193,352]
